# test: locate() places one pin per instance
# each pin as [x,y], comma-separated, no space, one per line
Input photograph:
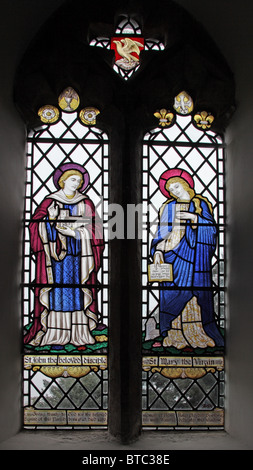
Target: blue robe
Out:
[191,261]
[66,271]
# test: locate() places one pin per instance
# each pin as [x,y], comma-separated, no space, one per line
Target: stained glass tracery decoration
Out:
[127,51]
[183,277]
[165,117]
[89,116]
[128,25]
[183,103]
[49,114]
[65,284]
[203,120]
[127,44]
[69,100]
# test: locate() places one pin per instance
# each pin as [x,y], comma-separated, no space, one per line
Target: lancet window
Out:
[65,280]
[183,275]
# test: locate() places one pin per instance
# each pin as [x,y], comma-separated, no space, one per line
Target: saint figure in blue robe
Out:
[186,239]
[66,236]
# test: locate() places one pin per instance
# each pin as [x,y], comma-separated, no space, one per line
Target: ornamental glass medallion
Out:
[69,100]
[183,256]
[65,277]
[127,44]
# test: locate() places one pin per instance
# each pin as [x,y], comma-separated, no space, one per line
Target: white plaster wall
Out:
[229,24]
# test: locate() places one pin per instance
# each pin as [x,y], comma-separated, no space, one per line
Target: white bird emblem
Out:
[126,49]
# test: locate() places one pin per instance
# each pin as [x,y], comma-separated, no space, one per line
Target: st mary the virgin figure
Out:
[186,239]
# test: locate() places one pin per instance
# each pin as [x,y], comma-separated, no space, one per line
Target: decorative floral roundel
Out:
[48,114]
[88,116]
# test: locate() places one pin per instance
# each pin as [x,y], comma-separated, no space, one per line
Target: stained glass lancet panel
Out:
[183,278]
[65,280]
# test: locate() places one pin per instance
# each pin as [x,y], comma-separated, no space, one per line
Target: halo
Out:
[175,172]
[71,166]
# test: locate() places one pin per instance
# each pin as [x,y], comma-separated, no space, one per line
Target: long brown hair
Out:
[195,198]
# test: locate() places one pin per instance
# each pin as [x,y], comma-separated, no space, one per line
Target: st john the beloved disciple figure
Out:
[186,239]
[67,238]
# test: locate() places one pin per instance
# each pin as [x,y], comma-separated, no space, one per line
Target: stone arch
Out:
[60,56]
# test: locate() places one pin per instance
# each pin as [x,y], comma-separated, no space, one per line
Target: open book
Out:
[160,272]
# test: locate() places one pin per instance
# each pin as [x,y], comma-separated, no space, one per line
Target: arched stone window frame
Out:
[126,114]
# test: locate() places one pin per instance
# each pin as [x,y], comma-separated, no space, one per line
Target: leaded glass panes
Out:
[183,316]
[65,280]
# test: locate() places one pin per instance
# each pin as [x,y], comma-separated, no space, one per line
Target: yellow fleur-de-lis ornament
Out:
[203,119]
[165,117]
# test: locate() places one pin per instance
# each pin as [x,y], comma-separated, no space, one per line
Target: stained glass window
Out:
[183,253]
[148,89]
[65,272]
